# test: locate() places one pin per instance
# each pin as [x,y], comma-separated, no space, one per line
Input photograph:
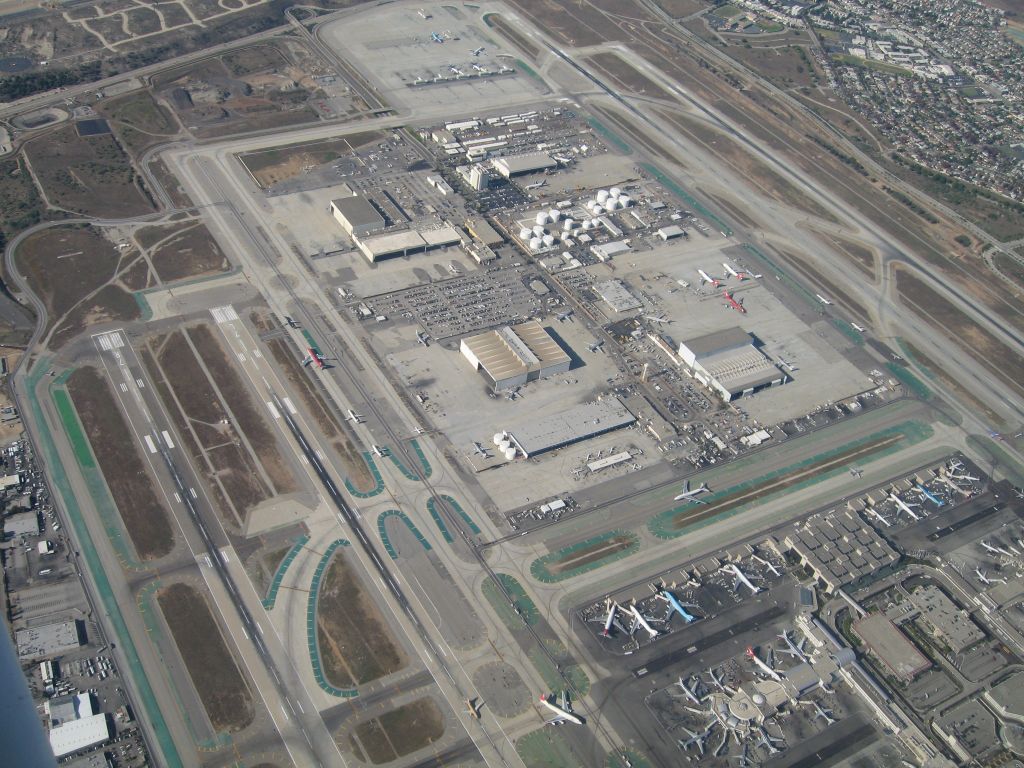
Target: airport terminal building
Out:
[513,355]
[728,363]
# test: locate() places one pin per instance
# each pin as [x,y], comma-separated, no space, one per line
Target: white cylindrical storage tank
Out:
[535,243]
[625,201]
[595,222]
[597,210]
[602,195]
[555,214]
[542,218]
[505,444]
[591,204]
[510,453]
[524,233]
[588,224]
[548,240]
[614,191]
[612,203]
[567,225]
[498,437]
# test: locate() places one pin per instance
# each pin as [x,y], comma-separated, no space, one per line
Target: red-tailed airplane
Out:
[706,278]
[313,356]
[733,303]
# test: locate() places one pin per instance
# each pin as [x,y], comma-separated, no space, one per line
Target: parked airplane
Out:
[563,316]
[825,714]
[767,564]
[859,328]
[455,70]
[984,578]
[696,739]
[612,607]
[733,303]
[717,682]
[768,741]
[733,273]
[596,346]
[689,495]
[878,516]
[994,550]
[706,278]
[422,338]
[762,666]
[436,37]
[931,496]
[379,451]
[689,692]
[313,356]
[741,577]
[796,650]
[823,300]
[903,506]
[537,184]
[353,416]
[675,605]
[643,622]
[562,713]
[477,51]
[658,319]
[479,450]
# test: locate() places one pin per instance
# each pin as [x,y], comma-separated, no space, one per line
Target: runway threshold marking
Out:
[149,443]
[167,439]
[290,406]
[273,410]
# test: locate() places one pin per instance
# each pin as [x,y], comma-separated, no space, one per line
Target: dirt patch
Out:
[951,383]
[117,452]
[356,644]
[994,356]
[272,166]
[805,266]
[520,41]
[247,417]
[628,76]
[679,8]
[636,135]
[89,175]
[137,277]
[250,61]
[138,121]
[592,554]
[108,304]
[179,198]
[192,253]
[210,664]
[401,731]
[788,66]
[323,415]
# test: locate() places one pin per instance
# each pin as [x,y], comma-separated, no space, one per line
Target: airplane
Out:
[859,328]
[537,184]
[717,682]
[762,666]
[689,692]
[313,356]
[436,37]
[903,506]
[767,564]
[984,578]
[563,316]
[733,303]
[733,273]
[696,739]
[796,650]
[856,472]
[422,338]
[379,451]
[741,577]
[477,51]
[662,319]
[643,622]
[353,416]
[562,713]
[878,516]
[931,496]
[478,68]
[290,322]
[607,631]
[824,714]
[706,278]
[455,70]
[768,741]
[473,708]
[994,550]
[689,495]
[479,450]
[596,346]
[823,300]
[675,605]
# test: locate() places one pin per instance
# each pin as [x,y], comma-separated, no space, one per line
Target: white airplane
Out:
[353,416]
[995,550]
[379,451]
[689,495]
[537,184]
[683,283]
[477,51]
[823,300]
[696,739]
[456,71]
[689,692]
[733,273]
[903,506]
[563,316]
[796,650]
[479,450]
[768,741]
[762,666]
[741,578]
[984,578]
[878,516]
[562,714]
[662,319]
[824,714]
[706,278]
[717,682]
[859,328]
[422,338]
[767,564]
[596,346]
[856,472]
[612,607]
[643,622]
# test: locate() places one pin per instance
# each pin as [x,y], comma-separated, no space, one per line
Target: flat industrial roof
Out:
[890,645]
[48,639]
[571,425]
[738,370]
[616,295]
[393,242]
[483,231]
[446,235]
[719,341]
[357,210]
[510,165]
[514,350]
[79,734]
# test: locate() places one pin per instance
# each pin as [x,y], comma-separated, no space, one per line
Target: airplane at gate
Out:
[741,578]
[762,666]
[676,606]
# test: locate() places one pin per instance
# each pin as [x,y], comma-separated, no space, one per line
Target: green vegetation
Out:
[524,610]
[728,11]
[839,155]
[912,204]
[963,240]
[546,748]
[881,66]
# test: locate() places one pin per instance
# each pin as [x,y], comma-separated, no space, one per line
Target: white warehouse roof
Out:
[570,426]
[513,165]
[79,734]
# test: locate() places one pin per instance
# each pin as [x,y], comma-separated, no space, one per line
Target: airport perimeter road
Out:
[306,738]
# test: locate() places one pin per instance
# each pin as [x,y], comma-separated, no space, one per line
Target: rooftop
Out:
[571,425]
[616,295]
[358,211]
[515,349]
[891,646]
[526,163]
[79,734]
[718,341]
[48,639]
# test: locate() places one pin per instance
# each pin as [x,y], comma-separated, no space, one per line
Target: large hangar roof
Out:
[719,341]
[571,425]
[358,211]
[516,349]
